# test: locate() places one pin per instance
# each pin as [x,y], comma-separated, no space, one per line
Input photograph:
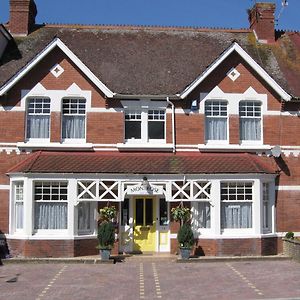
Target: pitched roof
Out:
[151,61]
[144,163]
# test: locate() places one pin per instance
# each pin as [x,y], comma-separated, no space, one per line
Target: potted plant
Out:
[106,238]
[185,239]
[185,234]
[106,231]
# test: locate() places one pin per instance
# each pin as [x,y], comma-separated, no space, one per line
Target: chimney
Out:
[262,22]
[22,17]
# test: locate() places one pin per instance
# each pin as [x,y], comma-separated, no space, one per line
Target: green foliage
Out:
[108,213]
[180,213]
[106,235]
[289,235]
[185,236]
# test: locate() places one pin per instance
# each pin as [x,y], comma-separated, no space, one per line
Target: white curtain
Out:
[73,127]
[236,215]
[51,215]
[37,127]
[250,129]
[216,129]
[19,214]
[201,215]
[84,216]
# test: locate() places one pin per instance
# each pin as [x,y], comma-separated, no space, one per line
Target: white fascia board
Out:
[56,43]
[5,33]
[236,47]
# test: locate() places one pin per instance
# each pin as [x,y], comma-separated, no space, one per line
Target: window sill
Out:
[234,147]
[145,147]
[53,146]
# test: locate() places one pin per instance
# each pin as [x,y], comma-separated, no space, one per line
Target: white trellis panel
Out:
[109,190]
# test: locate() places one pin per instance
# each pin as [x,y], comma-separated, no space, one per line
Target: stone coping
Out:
[121,258]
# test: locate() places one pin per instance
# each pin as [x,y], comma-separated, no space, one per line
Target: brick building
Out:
[146,118]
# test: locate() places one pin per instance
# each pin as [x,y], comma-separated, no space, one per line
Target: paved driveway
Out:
[152,279]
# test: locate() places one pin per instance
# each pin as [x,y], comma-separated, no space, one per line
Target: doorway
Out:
[144,227]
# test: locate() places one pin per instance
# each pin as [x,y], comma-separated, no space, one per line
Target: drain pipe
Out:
[173,124]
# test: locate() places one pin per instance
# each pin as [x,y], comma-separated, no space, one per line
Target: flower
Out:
[108,213]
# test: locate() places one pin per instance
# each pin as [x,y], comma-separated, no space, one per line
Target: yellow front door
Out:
[144,236]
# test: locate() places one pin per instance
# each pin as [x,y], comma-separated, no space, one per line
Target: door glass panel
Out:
[163,212]
[149,211]
[139,211]
[125,212]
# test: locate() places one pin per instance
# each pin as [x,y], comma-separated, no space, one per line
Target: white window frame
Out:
[144,114]
[235,231]
[36,99]
[144,106]
[63,231]
[18,198]
[74,140]
[248,116]
[266,208]
[215,103]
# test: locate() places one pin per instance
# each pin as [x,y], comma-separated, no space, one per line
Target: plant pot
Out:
[185,253]
[105,254]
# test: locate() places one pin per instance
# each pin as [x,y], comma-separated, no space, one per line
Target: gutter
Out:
[173,124]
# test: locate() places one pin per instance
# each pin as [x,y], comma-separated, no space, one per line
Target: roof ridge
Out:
[153,27]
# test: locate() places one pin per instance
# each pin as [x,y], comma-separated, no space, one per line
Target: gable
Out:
[235,48]
[40,56]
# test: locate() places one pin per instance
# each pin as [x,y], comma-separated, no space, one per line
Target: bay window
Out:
[38,118]
[50,205]
[266,208]
[84,217]
[236,205]
[73,118]
[216,120]
[250,120]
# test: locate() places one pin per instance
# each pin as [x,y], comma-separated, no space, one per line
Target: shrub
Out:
[289,235]
[185,236]
[106,235]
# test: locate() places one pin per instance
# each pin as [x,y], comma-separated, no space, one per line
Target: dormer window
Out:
[216,120]
[73,118]
[250,120]
[38,118]
[145,125]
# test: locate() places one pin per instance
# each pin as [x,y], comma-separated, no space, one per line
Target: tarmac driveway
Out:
[152,279]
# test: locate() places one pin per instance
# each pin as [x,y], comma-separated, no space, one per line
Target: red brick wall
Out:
[233,247]
[4,210]
[105,128]
[53,248]
[189,129]
[12,126]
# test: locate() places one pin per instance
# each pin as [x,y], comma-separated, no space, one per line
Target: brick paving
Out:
[152,278]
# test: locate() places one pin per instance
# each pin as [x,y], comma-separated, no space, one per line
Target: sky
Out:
[196,13]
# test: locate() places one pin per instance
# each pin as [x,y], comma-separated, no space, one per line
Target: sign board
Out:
[140,189]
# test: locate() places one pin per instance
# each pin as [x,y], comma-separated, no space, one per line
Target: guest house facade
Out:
[147,118]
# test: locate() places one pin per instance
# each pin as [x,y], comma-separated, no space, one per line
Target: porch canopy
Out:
[145,163]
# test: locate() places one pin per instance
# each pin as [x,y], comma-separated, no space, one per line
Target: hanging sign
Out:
[140,189]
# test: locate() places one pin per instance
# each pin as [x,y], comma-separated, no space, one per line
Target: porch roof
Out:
[145,163]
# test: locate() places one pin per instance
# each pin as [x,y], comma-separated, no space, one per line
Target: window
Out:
[216,120]
[201,209]
[73,119]
[236,205]
[84,217]
[266,207]
[51,205]
[250,120]
[38,118]
[19,205]
[145,125]
[156,124]
[133,124]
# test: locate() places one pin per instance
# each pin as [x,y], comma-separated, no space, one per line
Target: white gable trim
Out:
[56,43]
[236,47]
